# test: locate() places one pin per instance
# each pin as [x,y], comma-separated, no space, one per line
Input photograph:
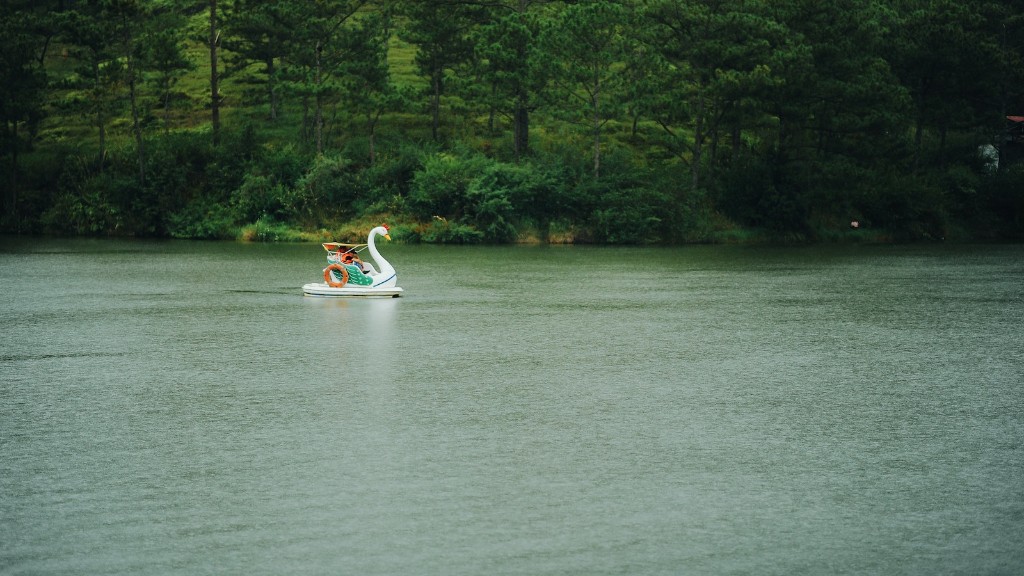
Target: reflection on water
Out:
[180,407]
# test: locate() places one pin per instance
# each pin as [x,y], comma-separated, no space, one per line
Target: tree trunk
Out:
[11,200]
[737,141]
[698,140]
[214,79]
[136,125]
[101,121]
[713,147]
[371,125]
[491,109]
[918,139]
[304,129]
[271,87]
[318,112]
[133,102]
[521,113]
[167,108]
[435,103]
[781,145]
[596,102]
[521,128]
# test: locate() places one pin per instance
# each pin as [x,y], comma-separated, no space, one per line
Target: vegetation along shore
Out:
[460,121]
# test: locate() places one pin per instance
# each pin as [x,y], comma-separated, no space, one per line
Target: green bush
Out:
[535,193]
[203,219]
[440,188]
[386,183]
[441,231]
[259,195]
[264,188]
[621,207]
[765,192]
[1004,199]
[489,201]
[176,165]
[91,211]
[907,206]
[329,189]
[491,212]
[229,162]
[267,229]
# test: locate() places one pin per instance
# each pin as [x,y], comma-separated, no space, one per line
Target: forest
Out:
[499,121]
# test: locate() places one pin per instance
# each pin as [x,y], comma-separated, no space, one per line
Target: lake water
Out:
[182,408]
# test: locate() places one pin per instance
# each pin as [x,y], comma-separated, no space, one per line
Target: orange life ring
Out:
[329,278]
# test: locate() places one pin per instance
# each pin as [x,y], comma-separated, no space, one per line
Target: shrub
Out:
[441,231]
[441,186]
[239,151]
[92,211]
[264,188]
[622,207]
[203,219]
[1004,198]
[267,229]
[386,183]
[763,192]
[329,188]
[259,195]
[534,193]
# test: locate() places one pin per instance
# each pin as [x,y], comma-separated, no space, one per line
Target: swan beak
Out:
[388,236]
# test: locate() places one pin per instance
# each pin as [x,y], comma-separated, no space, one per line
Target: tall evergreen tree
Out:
[96,82]
[949,58]
[441,31]
[164,54]
[512,63]
[259,31]
[588,43]
[127,18]
[212,44]
[369,90]
[319,55]
[26,35]
[717,54]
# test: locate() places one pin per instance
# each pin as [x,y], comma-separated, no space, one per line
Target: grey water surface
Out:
[181,408]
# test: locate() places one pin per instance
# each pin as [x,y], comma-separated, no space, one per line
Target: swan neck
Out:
[384,266]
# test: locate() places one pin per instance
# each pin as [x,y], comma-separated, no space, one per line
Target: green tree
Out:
[588,44]
[368,87]
[259,31]
[842,113]
[441,31]
[212,44]
[127,18]
[22,87]
[164,54]
[513,65]
[320,55]
[96,81]
[718,55]
[948,56]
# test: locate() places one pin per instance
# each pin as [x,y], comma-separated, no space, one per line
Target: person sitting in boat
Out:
[350,257]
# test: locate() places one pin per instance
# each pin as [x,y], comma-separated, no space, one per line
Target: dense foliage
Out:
[618,121]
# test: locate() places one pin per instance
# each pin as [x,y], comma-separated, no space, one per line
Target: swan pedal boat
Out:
[348,275]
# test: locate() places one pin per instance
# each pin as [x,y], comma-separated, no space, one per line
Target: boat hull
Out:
[323,290]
